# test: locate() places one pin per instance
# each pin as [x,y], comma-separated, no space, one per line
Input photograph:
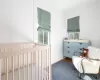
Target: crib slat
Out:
[18,67]
[34,60]
[46,65]
[43,72]
[44,68]
[41,65]
[7,68]
[38,65]
[31,65]
[50,69]
[49,63]
[24,67]
[27,67]
[12,67]
[0,69]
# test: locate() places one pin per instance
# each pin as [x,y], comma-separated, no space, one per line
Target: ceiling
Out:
[65,4]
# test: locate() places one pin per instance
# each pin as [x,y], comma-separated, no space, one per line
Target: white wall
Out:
[89,21]
[16,21]
[57,36]
[57,27]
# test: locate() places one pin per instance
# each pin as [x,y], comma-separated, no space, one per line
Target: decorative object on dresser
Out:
[84,53]
[74,47]
[73,35]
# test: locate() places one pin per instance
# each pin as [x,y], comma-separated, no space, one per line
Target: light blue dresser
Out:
[74,47]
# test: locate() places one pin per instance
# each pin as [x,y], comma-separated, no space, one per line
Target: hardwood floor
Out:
[68,60]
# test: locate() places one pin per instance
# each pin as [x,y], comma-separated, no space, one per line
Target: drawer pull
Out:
[80,43]
[68,42]
[68,51]
[80,49]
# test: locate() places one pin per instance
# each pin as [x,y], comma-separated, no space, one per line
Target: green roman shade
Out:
[44,18]
[73,24]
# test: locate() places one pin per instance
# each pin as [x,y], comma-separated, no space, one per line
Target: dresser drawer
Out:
[73,49]
[68,48]
[67,44]
[75,44]
[77,54]
[68,54]
[84,45]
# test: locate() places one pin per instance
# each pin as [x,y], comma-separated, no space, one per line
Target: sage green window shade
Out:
[44,18]
[73,24]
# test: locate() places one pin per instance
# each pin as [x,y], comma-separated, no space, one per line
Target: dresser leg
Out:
[80,76]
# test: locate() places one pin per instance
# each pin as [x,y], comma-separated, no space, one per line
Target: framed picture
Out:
[73,35]
[76,35]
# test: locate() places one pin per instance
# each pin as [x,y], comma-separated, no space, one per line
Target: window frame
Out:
[48,37]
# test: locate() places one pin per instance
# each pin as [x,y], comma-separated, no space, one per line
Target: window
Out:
[73,27]
[44,37]
[44,27]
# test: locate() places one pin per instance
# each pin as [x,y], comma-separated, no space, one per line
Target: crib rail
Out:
[25,61]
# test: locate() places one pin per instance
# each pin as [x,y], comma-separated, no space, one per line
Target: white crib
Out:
[25,61]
